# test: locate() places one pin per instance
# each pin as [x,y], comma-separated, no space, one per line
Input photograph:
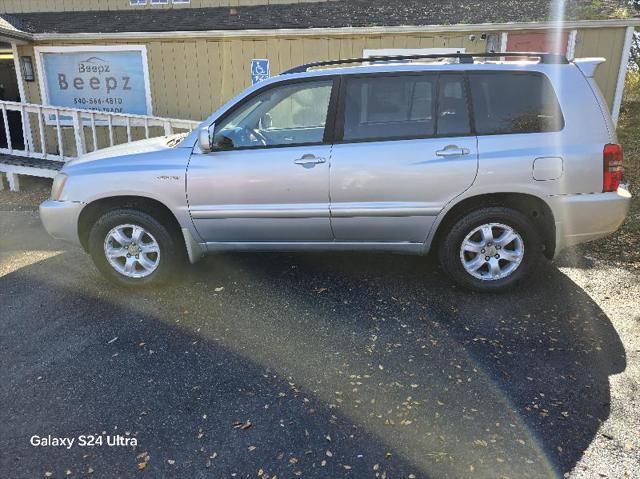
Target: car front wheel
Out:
[132,248]
[490,249]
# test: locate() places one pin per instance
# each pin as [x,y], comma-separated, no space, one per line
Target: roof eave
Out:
[15,36]
[342,31]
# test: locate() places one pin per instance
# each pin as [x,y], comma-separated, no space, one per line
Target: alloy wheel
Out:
[132,251]
[492,251]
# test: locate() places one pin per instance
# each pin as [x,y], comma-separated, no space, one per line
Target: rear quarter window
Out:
[514,102]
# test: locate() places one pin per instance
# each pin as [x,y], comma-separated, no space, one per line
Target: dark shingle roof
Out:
[340,13]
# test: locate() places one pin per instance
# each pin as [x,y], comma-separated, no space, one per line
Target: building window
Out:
[158,2]
[27,68]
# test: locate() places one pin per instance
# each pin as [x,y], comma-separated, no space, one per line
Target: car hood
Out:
[136,147]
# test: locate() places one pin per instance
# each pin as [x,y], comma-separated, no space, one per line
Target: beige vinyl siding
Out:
[607,43]
[189,79]
[24,6]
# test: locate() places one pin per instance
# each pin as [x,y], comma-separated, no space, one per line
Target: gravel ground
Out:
[33,191]
[615,450]
[320,365]
[315,366]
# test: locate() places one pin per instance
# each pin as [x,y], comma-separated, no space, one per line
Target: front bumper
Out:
[60,219]
[587,217]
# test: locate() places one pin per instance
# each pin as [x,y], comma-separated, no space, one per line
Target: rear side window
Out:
[410,106]
[511,102]
[453,108]
[389,107]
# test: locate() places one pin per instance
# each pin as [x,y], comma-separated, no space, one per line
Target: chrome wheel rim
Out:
[492,251]
[132,251]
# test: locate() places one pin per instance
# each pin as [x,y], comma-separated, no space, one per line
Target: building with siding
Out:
[193,55]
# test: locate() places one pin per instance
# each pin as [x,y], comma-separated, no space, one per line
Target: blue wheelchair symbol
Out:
[259,70]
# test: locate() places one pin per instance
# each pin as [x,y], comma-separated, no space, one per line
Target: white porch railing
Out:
[61,134]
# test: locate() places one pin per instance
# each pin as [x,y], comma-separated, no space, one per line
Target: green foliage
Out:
[588,10]
[634,58]
[596,9]
[624,243]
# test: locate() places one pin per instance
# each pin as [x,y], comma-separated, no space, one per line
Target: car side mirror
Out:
[205,138]
[222,143]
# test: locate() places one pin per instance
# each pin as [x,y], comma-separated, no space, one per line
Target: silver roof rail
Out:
[547,58]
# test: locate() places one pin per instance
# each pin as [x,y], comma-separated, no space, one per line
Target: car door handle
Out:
[309,160]
[453,150]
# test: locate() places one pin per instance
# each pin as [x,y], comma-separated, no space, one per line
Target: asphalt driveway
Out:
[319,366]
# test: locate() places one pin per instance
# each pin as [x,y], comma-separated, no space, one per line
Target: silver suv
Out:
[491,162]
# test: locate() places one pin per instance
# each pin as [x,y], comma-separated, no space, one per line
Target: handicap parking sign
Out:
[259,70]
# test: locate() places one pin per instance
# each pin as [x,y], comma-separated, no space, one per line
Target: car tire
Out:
[475,254]
[159,257]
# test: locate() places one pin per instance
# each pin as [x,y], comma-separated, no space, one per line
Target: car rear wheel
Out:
[490,249]
[132,248]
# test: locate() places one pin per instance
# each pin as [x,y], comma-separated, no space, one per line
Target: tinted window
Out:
[514,103]
[389,107]
[453,109]
[286,115]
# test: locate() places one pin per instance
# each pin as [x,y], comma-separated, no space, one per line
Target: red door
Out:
[538,42]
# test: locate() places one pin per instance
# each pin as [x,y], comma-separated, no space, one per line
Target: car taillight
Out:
[613,167]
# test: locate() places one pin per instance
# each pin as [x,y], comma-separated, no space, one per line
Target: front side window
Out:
[293,114]
[510,102]
[389,107]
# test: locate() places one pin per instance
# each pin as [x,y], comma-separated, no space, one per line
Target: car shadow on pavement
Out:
[321,365]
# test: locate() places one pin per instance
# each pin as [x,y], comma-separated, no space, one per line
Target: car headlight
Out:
[58,186]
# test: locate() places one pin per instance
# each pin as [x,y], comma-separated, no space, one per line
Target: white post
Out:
[14,181]
[78,132]
[6,128]
[94,135]
[24,118]
[504,39]
[43,143]
[129,129]
[110,120]
[571,45]
[28,137]
[59,135]
[622,75]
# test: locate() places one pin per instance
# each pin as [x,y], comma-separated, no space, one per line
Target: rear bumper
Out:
[60,219]
[587,217]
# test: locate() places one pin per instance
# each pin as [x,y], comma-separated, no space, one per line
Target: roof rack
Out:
[547,58]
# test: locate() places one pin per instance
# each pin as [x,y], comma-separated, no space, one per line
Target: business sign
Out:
[104,79]
[259,71]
